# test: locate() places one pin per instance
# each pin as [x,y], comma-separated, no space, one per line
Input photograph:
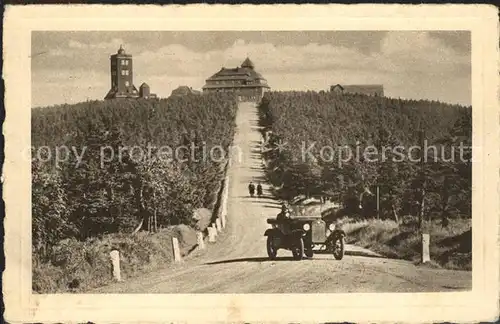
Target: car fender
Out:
[272,232]
[335,234]
[338,232]
[298,233]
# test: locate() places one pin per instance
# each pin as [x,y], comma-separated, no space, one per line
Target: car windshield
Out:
[304,211]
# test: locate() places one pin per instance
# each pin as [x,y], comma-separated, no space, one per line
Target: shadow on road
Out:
[263,199]
[266,259]
[252,259]
[271,206]
[354,253]
[262,179]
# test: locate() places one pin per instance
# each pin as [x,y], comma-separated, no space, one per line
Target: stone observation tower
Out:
[122,85]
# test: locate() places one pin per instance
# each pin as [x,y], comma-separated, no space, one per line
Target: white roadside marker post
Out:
[223,220]
[176,250]
[211,234]
[218,225]
[425,248]
[199,239]
[115,261]
[225,196]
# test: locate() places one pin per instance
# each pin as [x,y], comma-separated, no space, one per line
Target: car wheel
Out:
[272,251]
[298,249]
[338,248]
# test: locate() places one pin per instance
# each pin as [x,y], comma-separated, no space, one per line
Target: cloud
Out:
[114,44]
[75,48]
[400,52]
[57,86]
[419,52]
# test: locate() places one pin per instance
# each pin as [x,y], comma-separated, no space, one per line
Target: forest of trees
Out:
[83,198]
[439,187]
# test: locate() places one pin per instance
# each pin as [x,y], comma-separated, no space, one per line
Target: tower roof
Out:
[247,64]
[144,85]
[121,50]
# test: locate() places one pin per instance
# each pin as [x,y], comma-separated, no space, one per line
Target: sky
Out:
[70,67]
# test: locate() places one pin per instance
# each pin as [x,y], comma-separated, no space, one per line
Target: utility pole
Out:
[425,237]
[378,201]
[421,181]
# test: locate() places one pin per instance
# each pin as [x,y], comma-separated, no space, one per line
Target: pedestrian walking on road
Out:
[259,190]
[251,189]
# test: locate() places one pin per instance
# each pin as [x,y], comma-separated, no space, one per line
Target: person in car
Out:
[283,214]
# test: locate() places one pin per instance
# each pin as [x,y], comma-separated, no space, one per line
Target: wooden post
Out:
[425,248]
[115,261]
[211,234]
[176,250]
[199,239]
[218,225]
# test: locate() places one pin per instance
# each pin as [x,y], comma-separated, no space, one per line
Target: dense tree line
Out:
[91,188]
[326,126]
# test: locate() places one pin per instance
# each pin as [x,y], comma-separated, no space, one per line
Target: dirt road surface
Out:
[238,263]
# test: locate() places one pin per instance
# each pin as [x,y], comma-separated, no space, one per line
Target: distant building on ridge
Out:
[122,78]
[184,91]
[248,84]
[366,89]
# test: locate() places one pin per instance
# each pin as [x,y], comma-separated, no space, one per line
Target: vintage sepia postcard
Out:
[305,163]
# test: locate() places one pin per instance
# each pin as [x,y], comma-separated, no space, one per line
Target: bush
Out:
[80,266]
[450,248]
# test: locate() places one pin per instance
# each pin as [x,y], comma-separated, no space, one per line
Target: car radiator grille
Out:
[318,231]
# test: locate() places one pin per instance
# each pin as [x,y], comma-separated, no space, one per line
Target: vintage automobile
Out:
[300,234]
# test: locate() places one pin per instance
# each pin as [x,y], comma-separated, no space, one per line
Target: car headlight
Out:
[331,227]
[306,227]
[287,214]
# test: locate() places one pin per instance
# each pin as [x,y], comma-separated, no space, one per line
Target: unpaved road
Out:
[238,262]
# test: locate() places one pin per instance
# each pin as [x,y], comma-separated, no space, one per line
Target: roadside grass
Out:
[77,266]
[450,247]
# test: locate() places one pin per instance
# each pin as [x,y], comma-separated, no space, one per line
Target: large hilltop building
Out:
[366,89]
[122,80]
[248,84]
